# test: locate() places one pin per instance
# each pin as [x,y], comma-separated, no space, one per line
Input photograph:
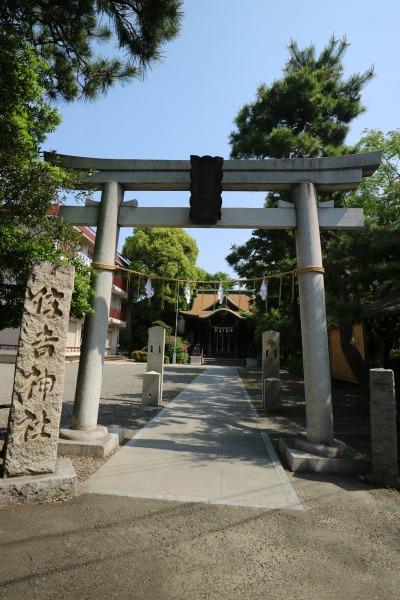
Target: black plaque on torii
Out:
[205,188]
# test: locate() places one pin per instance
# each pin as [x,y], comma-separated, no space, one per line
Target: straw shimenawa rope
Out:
[106,267]
[294,273]
[308,270]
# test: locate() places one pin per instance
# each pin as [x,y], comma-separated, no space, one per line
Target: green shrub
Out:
[295,366]
[168,329]
[166,360]
[394,360]
[182,356]
[139,356]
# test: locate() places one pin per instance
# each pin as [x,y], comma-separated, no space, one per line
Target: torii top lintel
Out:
[328,173]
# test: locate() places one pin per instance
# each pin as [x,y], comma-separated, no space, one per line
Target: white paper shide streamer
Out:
[220,293]
[263,290]
[187,292]
[149,289]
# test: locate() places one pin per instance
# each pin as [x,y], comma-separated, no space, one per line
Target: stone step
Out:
[223,362]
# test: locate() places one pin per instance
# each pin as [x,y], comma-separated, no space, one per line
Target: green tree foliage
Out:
[364,266]
[166,253]
[307,113]
[28,187]
[180,346]
[214,278]
[48,49]
[67,33]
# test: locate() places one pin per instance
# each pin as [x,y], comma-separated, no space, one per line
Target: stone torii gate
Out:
[304,178]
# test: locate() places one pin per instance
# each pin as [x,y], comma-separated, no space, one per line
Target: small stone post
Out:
[314,333]
[155,353]
[270,360]
[272,394]
[88,387]
[32,435]
[383,428]
[151,389]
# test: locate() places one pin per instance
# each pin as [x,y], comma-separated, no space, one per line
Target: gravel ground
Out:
[120,402]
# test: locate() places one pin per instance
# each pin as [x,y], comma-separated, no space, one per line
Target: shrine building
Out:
[218,328]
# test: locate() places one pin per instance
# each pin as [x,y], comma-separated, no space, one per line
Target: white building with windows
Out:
[117,316]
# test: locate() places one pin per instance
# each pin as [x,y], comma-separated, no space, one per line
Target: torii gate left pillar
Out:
[87,396]
[302,177]
[94,341]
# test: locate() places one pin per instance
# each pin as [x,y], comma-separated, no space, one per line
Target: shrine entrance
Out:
[303,179]
[218,329]
[222,339]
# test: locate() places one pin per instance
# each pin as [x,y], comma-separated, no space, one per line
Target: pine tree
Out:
[65,34]
[364,266]
[28,186]
[305,114]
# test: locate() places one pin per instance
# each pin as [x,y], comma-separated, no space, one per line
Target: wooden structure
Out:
[340,368]
[219,329]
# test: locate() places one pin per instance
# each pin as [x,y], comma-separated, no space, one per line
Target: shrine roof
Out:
[204,305]
[387,306]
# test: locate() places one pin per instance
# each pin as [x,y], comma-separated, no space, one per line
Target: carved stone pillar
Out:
[32,435]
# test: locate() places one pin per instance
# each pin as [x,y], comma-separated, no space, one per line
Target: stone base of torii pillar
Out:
[70,442]
[299,455]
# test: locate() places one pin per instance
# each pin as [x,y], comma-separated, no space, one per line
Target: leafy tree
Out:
[364,266]
[180,347]
[65,33]
[214,279]
[28,186]
[307,113]
[166,253]
[47,48]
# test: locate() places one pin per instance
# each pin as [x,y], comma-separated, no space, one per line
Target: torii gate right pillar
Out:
[314,333]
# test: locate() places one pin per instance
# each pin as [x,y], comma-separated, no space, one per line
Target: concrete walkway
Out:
[205,446]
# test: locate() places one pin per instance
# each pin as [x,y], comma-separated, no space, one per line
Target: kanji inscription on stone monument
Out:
[32,435]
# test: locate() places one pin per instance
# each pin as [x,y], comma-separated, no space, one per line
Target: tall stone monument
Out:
[32,435]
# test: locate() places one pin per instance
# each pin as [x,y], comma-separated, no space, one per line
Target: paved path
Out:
[204,447]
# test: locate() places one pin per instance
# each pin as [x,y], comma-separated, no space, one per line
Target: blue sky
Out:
[187,104]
